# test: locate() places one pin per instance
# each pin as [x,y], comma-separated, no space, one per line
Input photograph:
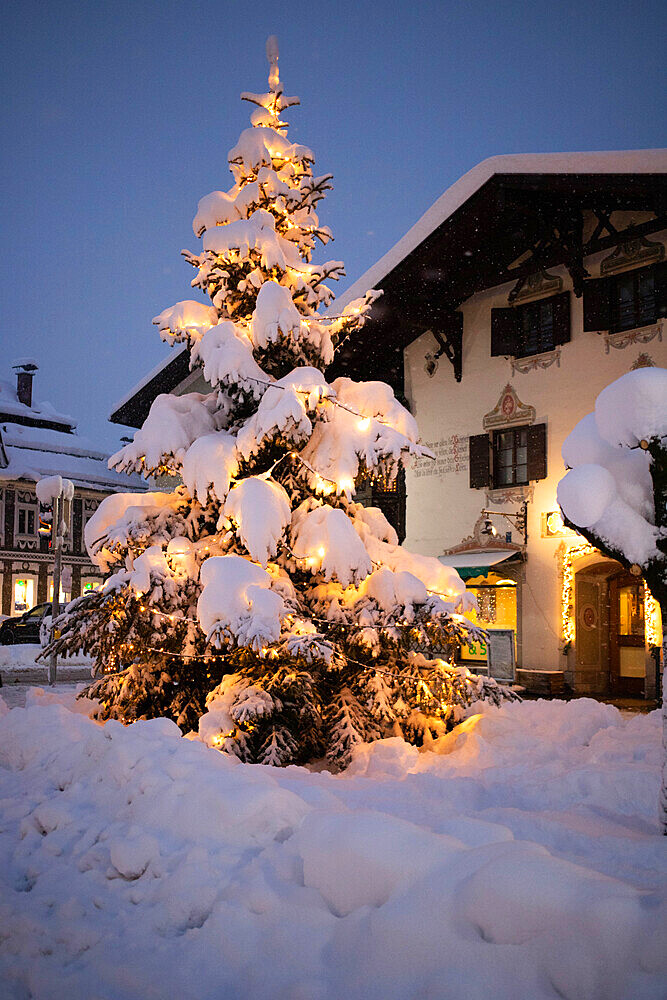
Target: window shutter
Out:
[480,461]
[661,288]
[537,452]
[561,318]
[504,332]
[597,313]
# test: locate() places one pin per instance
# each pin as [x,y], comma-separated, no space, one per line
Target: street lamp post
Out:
[59,493]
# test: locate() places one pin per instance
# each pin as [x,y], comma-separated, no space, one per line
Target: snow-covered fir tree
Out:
[258,600]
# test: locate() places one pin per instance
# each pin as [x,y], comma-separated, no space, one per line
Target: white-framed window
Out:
[26,520]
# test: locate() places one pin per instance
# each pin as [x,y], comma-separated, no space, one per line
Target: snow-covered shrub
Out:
[615,492]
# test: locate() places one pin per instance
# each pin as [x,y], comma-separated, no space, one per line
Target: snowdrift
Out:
[521,859]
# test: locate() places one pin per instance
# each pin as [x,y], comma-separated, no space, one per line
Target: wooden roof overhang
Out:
[535,216]
[134,409]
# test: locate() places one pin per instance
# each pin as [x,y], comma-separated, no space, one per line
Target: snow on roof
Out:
[34,452]
[43,439]
[10,404]
[634,161]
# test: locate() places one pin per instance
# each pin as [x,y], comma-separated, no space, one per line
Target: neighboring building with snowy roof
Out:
[37,441]
[530,284]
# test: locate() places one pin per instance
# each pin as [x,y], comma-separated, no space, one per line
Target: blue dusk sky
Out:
[117,117]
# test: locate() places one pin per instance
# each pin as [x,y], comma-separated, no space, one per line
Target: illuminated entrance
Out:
[613,628]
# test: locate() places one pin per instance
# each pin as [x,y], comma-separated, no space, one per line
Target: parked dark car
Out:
[24,628]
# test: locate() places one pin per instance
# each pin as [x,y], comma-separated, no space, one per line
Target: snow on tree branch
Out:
[609,489]
[258,601]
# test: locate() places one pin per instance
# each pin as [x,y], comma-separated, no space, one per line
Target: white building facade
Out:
[499,378]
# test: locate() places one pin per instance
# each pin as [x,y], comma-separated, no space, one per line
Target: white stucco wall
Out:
[441,508]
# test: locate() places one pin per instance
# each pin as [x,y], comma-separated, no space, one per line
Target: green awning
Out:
[477,563]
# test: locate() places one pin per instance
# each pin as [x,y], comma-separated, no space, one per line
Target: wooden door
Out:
[627,642]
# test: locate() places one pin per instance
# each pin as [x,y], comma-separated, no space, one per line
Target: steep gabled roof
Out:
[506,219]
[634,161]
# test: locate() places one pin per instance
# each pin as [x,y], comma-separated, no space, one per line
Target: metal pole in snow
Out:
[55,604]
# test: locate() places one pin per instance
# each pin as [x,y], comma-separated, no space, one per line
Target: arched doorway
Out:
[611,653]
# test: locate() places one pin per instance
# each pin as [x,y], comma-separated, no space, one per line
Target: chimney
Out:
[25,369]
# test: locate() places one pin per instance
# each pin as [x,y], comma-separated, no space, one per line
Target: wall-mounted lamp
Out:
[518,520]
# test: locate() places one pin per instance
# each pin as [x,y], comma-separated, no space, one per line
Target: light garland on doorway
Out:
[568,627]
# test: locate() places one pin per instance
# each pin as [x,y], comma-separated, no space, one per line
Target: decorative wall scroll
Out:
[642,335]
[508,411]
[479,539]
[643,361]
[535,361]
[510,494]
[535,286]
[633,253]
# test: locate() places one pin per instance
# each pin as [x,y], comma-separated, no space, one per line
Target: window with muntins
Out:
[511,457]
[633,300]
[536,322]
[26,520]
[531,328]
[626,301]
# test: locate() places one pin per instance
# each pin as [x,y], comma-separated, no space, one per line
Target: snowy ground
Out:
[523,861]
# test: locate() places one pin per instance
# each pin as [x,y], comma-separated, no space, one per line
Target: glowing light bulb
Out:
[321,552]
[364,423]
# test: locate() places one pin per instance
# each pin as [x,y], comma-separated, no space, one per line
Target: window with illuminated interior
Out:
[496,600]
[25,590]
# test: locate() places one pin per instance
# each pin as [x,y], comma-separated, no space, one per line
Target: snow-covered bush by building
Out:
[615,492]
[259,595]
